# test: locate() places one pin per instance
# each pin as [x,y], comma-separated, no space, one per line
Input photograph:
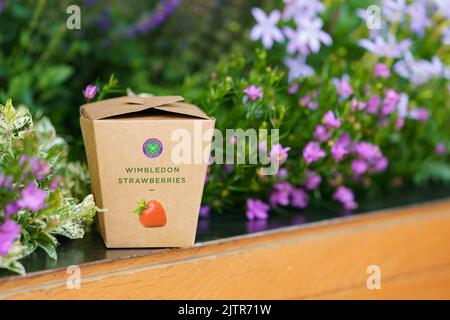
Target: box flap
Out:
[125,105]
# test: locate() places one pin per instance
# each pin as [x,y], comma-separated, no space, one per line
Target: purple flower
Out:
[253,92]
[8,182]
[32,198]
[294,88]
[204,211]
[341,148]
[312,180]
[345,196]
[359,167]
[11,208]
[278,153]
[381,70]
[228,168]
[282,173]
[373,104]
[440,149]
[380,164]
[280,194]
[9,231]
[343,86]
[357,105]
[39,168]
[391,99]
[256,209]
[312,152]
[330,120]
[90,91]
[299,198]
[322,134]
[164,10]
[368,151]
[266,27]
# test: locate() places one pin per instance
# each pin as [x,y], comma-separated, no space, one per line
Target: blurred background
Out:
[151,46]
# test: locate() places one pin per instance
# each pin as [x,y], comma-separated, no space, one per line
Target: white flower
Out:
[298,68]
[443,7]
[266,28]
[419,71]
[446,36]
[310,34]
[390,48]
[402,106]
[294,44]
[394,10]
[302,9]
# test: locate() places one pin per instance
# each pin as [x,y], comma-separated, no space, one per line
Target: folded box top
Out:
[131,104]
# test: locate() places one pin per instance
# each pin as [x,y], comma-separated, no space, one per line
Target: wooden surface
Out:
[324,260]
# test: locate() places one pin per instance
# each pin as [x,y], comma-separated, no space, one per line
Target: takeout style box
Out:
[130,144]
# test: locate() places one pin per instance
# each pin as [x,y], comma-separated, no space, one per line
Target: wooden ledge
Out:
[322,260]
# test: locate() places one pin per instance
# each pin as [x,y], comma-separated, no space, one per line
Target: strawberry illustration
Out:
[151,213]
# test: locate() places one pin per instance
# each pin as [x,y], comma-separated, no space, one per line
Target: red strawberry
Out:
[151,214]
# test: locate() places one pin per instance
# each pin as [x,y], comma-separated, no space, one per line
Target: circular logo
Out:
[152,148]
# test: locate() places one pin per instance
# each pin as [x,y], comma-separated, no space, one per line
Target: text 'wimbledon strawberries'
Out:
[151,213]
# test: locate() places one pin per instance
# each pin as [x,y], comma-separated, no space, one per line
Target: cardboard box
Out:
[149,179]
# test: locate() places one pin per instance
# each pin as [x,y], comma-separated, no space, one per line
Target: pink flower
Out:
[40,168]
[373,104]
[304,101]
[253,92]
[312,180]
[381,70]
[330,120]
[256,209]
[90,91]
[359,167]
[278,153]
[312,152]
[440,149]
[368,151]
[357,105]
[391,99]
[341,148]
[294,88]
[32,198]
[345,196]
[9,231]
[11,208]
[380,164]
[299,198]
[420,114]
[322,134]
[282,173]
[399,123]
[281,193]
[343,86]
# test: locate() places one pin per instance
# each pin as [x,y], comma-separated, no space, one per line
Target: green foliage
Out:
[21,143]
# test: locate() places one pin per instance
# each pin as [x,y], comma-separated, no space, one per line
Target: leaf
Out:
[12,265]
[50,249]
[54,76]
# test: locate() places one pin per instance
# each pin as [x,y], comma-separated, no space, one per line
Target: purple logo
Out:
[152,148]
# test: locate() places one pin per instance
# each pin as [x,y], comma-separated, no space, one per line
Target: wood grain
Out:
[324,260]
